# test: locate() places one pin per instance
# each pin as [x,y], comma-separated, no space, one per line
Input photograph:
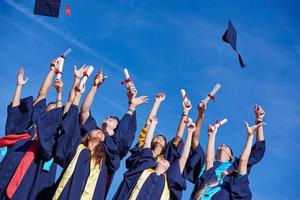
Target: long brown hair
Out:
[98,154]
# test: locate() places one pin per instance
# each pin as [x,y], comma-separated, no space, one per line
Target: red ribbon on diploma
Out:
[211,97]
[126,81]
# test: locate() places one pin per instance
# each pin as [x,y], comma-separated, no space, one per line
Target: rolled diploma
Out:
[217,125]
[183,94]
[85,78]
[212,93]
[60,66]
[126,74]
[127,77]
[67,52]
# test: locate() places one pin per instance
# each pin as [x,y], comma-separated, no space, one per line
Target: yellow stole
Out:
[91,181]
[146,173]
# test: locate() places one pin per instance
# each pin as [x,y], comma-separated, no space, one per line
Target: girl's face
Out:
[225,151]
[159,140]
[97,134]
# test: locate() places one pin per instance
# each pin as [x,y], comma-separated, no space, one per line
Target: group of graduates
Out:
[40,136]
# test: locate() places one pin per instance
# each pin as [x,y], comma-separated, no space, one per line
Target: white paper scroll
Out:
[212,93]
[61,61]
[126,74]
[219,123]
[184,96]
[127,80]
[85,78]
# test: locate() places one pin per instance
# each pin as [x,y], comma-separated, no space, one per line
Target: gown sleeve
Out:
[69,137]
[194,164]
[125,133]
[19,117]
[176,181]
[47,129]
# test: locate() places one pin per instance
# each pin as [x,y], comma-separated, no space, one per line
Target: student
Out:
[160,147]
[152,179]
[21,170]
[126,127]
[217,178]
[90,159]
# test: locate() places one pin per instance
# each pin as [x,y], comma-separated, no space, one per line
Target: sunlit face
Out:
[225,151]
[163,165]
[111,122]
[51,106]
[96,135]
[159,140]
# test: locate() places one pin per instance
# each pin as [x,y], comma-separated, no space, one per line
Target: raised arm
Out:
[88,101]
[47,82]
[20,83]
[186,107]
[58,84]
[187,146]
[159,98]
[244,158]
[259,115]
[196,135]
[210,149]
[78,74]
[149,137]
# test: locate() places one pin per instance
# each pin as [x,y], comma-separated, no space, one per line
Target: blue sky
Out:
[169,45]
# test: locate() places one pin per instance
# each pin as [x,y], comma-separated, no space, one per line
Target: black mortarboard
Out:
[47,7]
[230,36]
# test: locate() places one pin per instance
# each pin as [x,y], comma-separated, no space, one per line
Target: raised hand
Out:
[190,126]
[259,113]
[201,107]
[78,73]
[99,78]
[20,78]
[212,130]
[78,90]
[186,106]
[160,97]
[136,101]
[252,129]
[58,84]
[54,64]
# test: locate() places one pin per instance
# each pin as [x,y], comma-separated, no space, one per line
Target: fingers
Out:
[25,81]
[143,99]
[247,125]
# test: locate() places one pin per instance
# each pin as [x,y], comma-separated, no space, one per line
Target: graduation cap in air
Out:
[47,7]
[230,36]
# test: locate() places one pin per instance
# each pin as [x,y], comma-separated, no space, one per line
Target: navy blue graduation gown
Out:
[124,134]
[140,160]
[67,144]
[36,181]
[233,185]
[195,161]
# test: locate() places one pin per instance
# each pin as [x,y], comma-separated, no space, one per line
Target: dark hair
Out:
[165,139]
[52,102]
[99,154]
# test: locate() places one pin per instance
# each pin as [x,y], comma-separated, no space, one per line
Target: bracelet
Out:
[58,100]
[184,114]
[258,121]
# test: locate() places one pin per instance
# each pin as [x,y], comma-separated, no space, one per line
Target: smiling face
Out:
[159,140]
[224,153]
[96,135]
